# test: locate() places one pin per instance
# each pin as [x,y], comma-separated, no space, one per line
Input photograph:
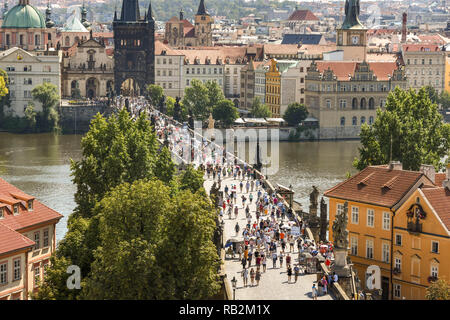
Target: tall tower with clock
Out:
[352,36]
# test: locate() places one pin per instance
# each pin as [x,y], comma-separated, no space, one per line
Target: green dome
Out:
[24,16]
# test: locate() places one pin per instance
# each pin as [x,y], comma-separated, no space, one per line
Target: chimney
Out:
[395,165]
[405,16]
[446,183]
[428,171]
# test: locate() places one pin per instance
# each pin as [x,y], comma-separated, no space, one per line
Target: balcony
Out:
[415,227]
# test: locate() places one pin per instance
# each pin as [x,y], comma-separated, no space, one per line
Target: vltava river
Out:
[39,164]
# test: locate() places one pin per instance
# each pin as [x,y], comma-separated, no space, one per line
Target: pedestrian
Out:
[274,259]
[289,273]
[264,263]
[288,260]
[243,262]
[314,292]
[250,256]
[252,184]
[245,276]
[324,284]
[237,228]
[247,186]
[281,259]
[252,276]
[296,272]
[236,211]
[257,277]
[241,185]
[335,277]
[258,261]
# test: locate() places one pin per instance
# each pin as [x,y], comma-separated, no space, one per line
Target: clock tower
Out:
[352,36]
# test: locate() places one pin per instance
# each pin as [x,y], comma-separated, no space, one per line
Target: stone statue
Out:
[177,109]
[214,194]
[340,232]
[313,198]
[211,121]
[323,220]
[191,120]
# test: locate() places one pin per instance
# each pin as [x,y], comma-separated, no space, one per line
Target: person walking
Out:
[247,186]
[237,228]
[281,259]
[252,184]
[243,262]
[252,276]
[236,211]
[245,276]
[289,273]
[274,259]
[324,284]
[314,292]
[264,263]
[296,272]
[241,185]
[288,260]
[257,277]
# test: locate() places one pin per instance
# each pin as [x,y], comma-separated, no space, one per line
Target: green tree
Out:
[215,93]
[438,290]
[155,93]
[226,112]
[260,110]
[295,113]
[432,93]
[170,104]
[444,100]
[76,93]
[409,130]
[191,179]
[164,166]
[30,117]
[48,96]
[196,98]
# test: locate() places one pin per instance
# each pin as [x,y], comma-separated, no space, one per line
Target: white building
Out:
[26,71]
[169,68]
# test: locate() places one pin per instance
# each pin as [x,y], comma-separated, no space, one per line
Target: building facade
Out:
[425,65]
[25,71]
[203,26]
[27,229]
[134,49]
[344,95]
[273,89]
[169,68]
[398,220]
[87,70]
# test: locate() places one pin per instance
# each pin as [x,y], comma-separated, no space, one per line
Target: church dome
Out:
[24,16]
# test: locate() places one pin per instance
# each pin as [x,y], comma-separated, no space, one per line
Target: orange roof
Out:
[280,49]
[103,34]
[439,178]
[160,47]
[420,47]
[303,15]
[11,240]
[342,69]
[383,188]
[234,54]
[439,199]
[25,218]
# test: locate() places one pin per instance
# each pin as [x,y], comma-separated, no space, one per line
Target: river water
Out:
[39,164]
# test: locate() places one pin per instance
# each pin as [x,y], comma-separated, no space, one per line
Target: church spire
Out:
[149,12]
[202,9]
[48,20]
[5,9]
[84,21]
[130,10]
[352,10]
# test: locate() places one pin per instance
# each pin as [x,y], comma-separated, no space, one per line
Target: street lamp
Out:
[234,283]
[222,225]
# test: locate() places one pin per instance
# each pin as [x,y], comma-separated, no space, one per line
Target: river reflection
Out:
[39,164]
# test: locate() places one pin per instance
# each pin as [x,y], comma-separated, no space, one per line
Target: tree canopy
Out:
[260,110]
[438,290]
[409,130]
[196,99]
[47,94]
[155,93]
[226,112]
[295,113]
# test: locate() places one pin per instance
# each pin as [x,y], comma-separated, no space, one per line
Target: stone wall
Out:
[77,118]
[336,133]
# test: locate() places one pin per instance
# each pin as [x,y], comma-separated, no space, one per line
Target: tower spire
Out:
[202,9]
[149,12]
[130,10]
[352,10]
[48,20]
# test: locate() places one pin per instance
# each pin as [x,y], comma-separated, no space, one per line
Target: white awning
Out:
[239,120]
[255,120]
[279,120]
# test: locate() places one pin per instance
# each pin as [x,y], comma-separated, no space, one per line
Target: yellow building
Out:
[399,221]
[447,73]
[273,89]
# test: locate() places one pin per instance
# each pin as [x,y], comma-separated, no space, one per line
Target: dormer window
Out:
[1,213]
[30,205]
[16,209]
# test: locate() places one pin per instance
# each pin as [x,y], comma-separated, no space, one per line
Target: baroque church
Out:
[181,33]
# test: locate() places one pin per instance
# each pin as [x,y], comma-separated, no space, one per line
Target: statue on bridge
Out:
[191,120]
[340,233]
[214,194]
[313,201]
[323,221]
[177,109]
[162,105]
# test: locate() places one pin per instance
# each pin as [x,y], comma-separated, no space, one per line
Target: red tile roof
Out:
[420,47]
[377,185]
[439,199]
[303,15]
[25,218]
[342,69]
[439,178]
[11,240]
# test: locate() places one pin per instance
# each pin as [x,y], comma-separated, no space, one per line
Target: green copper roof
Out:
[352,15]
[24,16]
[74,25]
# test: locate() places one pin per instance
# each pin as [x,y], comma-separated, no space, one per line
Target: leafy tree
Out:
[215,93]
[432,93]
[76,93]
[164,166]
[444,100]
[191,179]
[411,128]
[170,104]
[196,99]
[155,93]
[438,290]
[226,112]
[47,94]
[30,116]
[260,110]
[295,113]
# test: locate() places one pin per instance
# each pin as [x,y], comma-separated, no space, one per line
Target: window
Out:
[164,61]
[4,273]
[37,275]
[170,73]
[355,215]
[328,102]
[45,267]
[434,246]
[370,218]
[45,238]
[17,270]
[354,245]
[386,221]
[354,121]
[385,252]
[1,213]
[371,120]
[397,290]
[398,239]
[369,249]
[187,82]
[16,209]
[36,240]
[363,119]
[398,264]
[158,73]
[170,61]
[187,70]
[434,271]
[342,121]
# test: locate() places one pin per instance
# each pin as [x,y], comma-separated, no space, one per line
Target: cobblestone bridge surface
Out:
[274,283]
